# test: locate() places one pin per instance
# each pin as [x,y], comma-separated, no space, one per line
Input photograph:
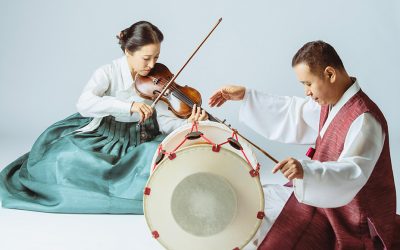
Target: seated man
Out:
[344,197]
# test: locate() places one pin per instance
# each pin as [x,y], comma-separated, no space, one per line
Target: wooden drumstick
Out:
[213,118]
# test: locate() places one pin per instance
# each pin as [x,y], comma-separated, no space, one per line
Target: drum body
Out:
[203,198]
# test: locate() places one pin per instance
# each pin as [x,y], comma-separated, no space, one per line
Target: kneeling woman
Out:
[97,160]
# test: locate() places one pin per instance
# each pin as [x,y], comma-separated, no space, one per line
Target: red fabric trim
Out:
[147,191]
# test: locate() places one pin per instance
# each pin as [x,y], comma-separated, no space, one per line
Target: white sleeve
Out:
[336,183]
[167,121]
[281,118]
[94,103]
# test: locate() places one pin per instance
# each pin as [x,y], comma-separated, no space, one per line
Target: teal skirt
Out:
[102,171]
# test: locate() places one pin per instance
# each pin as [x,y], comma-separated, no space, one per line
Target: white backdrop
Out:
[49,49]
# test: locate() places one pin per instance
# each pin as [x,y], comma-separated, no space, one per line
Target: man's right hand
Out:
[225,93]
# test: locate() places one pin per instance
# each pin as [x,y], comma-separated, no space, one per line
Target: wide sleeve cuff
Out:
[242,109]
[299,184]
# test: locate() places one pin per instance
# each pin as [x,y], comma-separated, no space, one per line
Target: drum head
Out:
[203,200]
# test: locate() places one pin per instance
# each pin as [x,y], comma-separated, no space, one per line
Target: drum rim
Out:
[261,207]
[213,124]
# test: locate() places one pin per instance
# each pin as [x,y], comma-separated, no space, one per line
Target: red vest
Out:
[367,222]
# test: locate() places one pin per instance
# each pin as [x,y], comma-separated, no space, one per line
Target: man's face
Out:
[319,88]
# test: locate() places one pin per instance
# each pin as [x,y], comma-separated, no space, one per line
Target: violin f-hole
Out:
[157,92]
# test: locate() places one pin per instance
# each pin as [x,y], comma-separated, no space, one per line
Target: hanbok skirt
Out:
[102,171]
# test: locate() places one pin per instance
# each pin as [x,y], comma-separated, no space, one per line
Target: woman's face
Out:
[143,60]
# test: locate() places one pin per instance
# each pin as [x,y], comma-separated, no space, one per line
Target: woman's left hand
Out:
[197,114]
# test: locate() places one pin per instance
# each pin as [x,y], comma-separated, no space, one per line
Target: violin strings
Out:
[184,98]
[180,94]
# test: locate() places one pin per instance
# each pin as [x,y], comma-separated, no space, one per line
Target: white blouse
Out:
[296,120]
[110,91]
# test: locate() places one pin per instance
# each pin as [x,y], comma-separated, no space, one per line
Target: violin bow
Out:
[184,65]
[212,117]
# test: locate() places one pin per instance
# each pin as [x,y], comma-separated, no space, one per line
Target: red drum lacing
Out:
[195,134]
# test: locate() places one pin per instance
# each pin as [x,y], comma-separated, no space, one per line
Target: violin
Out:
[179,99]
[160,85]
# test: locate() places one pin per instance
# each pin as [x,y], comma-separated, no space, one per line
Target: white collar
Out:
[350,92]
[126,73]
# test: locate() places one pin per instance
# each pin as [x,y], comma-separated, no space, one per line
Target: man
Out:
[344,197]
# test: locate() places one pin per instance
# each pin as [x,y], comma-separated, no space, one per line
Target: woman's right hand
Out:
[145,111]
[225,93]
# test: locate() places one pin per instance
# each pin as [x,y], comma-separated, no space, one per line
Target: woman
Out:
[98,160]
